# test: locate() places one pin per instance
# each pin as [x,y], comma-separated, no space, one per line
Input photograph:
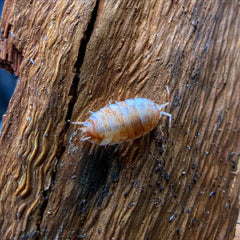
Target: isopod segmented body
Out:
[121,121]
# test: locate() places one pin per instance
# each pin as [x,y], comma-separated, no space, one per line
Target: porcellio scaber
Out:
[122,121]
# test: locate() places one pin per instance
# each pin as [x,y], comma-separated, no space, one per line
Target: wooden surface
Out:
[75,56]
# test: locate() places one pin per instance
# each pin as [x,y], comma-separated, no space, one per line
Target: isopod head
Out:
[87,133]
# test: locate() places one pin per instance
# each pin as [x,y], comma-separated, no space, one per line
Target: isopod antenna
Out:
[78,123]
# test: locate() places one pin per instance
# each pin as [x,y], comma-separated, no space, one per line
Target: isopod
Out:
[121,121]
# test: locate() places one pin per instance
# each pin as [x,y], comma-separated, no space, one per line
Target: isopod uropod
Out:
[121,121]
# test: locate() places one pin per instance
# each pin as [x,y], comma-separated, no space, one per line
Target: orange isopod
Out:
[121,121]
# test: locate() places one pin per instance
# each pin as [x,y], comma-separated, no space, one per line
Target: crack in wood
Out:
[74,93]
[81,55]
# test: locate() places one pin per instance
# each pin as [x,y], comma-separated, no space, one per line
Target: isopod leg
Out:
[163,105]
[168,115]
[168,93]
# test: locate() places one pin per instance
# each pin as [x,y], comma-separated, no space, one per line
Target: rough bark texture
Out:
[75,56]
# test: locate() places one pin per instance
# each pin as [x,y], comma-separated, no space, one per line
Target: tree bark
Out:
[76,56]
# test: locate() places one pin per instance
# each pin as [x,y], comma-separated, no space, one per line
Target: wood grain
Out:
[77,56]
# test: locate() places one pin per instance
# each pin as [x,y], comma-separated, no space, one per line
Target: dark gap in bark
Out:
[42,209]
[73,93]
[79,62]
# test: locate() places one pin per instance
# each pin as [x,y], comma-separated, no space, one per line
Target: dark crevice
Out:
[79,62]
[45,195]
[73,93]
[42,208]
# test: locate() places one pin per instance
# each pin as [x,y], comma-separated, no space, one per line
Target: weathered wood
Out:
[75,56]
